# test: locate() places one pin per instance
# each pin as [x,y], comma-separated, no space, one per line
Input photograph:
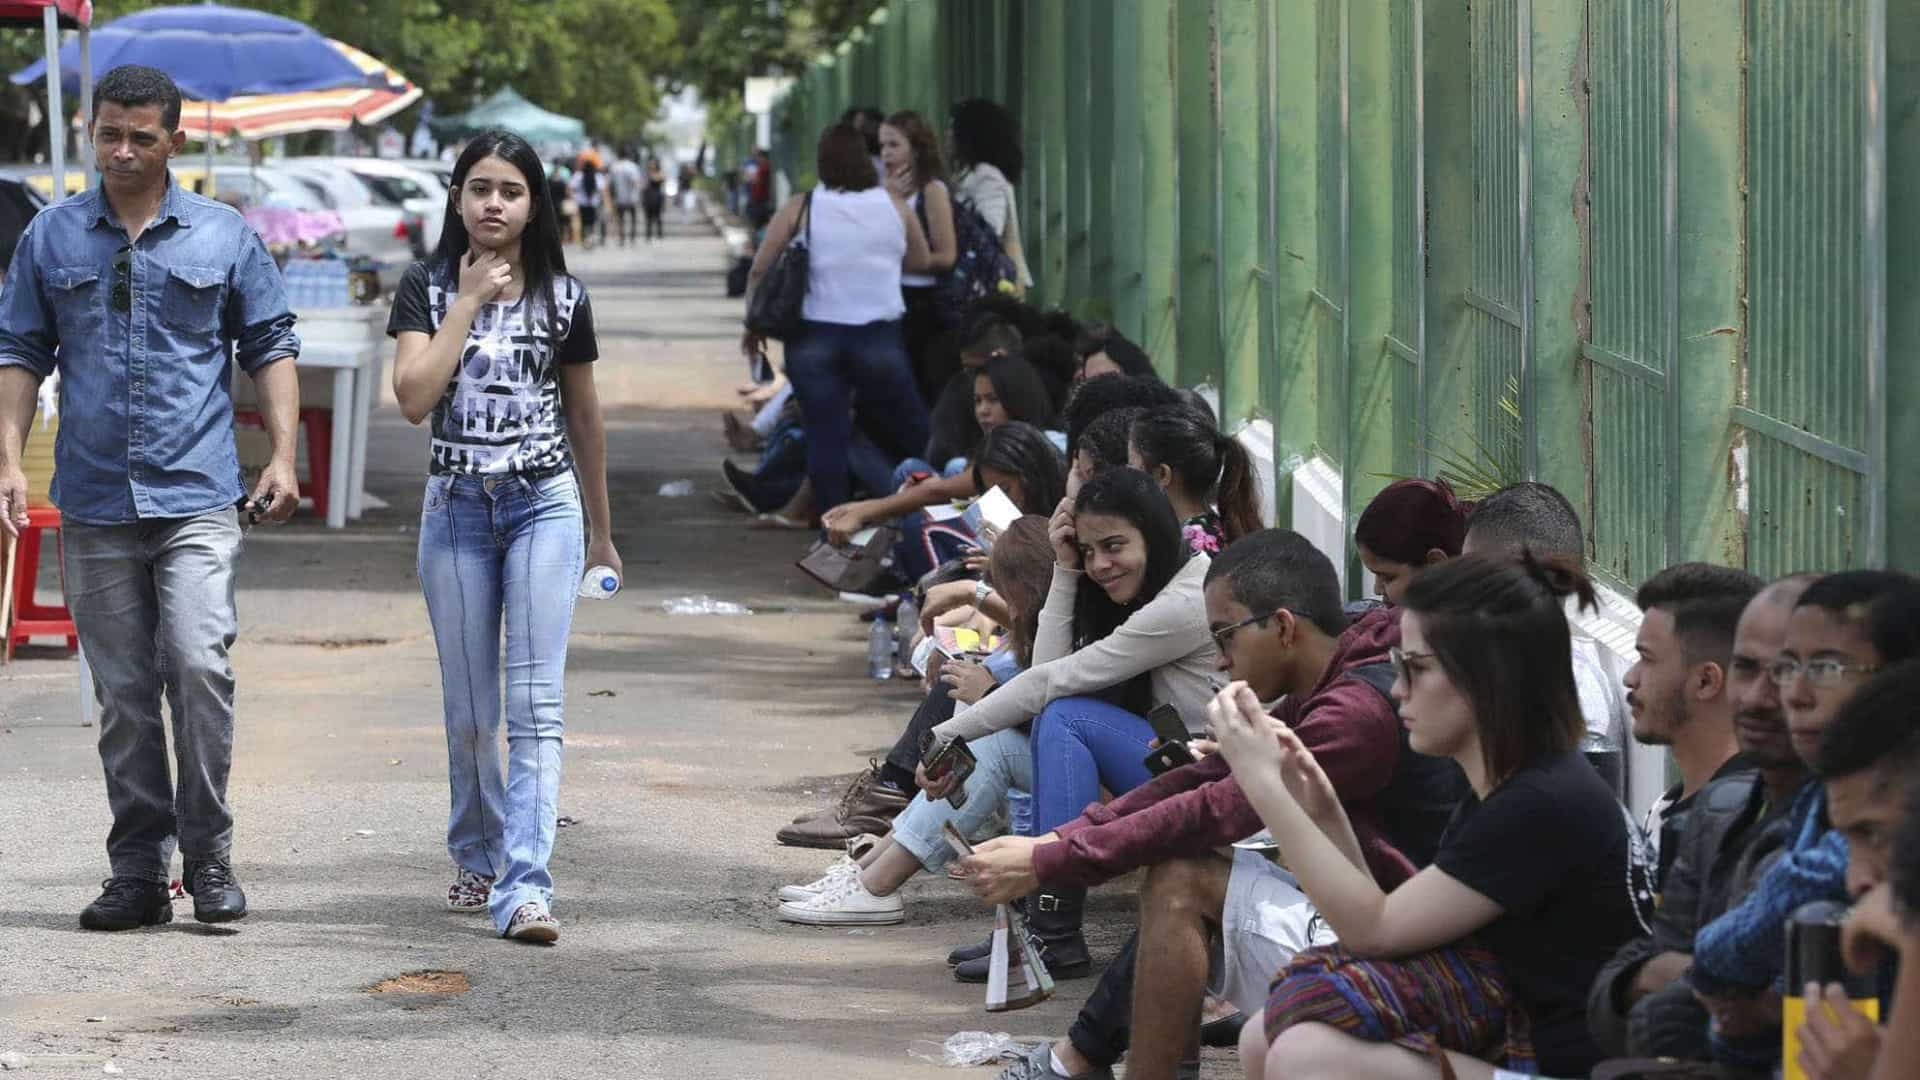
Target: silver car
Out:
[391,236]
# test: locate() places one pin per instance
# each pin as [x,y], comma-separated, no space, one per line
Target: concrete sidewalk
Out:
[689,741]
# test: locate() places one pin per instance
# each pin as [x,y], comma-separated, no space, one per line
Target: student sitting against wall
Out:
[1207,475]
[1482,959]
[1411,525]
[1108,647]
[1103,350]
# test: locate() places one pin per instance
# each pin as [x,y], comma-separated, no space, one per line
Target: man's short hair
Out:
[1527,515]
[1878,728]
[133,85]
[988,333]
[1884,603]
[1279,568]
[1705,602]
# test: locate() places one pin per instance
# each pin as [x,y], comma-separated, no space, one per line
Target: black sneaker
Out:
[128,903]
[216,892]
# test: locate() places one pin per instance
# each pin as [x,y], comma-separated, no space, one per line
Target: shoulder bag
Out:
[776,307]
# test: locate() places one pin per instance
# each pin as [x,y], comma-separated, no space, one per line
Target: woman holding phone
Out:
[495,346]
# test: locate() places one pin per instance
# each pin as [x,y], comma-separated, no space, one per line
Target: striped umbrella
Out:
[259,116]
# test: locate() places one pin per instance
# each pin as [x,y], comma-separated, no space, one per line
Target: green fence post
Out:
[1299,315]
[1376,415]
[1049,65]
[1199,149]
[1126,194]
[1099,166]
[1560,382]
[1243,282]
[1159,206]
[1078,189]
[1903,281]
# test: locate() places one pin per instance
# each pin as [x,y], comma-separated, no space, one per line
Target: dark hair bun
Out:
[1561,576]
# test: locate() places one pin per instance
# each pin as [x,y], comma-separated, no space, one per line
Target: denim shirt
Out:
[145,394]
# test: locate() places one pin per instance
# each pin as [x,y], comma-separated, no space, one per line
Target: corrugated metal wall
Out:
[1658,230]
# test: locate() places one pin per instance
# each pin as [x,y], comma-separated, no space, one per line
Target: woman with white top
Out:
[911,156]
[986,151]
[849,356]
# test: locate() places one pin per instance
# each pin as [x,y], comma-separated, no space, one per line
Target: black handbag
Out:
[776,307]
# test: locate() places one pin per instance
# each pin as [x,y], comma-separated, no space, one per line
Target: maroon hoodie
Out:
[1352,731]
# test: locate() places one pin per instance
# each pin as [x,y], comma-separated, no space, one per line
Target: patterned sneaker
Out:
[469,891]
[531,922]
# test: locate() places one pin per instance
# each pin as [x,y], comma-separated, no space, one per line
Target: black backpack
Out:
[1420,800]
[980,265]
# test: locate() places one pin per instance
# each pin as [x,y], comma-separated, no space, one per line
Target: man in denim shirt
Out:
[137,293]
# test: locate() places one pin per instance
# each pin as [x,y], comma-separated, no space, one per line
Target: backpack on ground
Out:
[981,266]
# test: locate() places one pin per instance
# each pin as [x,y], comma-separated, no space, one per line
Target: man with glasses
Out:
[1844,628]
[1274,604]
[141,295]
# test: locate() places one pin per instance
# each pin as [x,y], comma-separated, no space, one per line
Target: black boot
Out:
[982,948]
[1053,917]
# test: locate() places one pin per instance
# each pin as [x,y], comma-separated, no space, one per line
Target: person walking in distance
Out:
[495,346]
[136,292]
[624,177]
[653,200]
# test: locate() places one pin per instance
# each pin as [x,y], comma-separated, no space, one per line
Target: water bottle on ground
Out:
[907,624]
[880,650]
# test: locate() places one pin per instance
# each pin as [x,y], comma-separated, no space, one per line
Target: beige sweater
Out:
[1167,638]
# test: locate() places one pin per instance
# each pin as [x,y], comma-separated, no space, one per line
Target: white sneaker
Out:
[840,869]
[846,902]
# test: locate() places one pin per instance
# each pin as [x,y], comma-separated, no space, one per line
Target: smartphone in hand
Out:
[1172,751]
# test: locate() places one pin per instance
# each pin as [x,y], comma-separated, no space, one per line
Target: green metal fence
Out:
[1638,250]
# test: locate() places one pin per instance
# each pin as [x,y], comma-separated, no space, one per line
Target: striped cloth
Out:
[1450,999]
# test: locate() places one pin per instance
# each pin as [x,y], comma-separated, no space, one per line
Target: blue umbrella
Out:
[213,53]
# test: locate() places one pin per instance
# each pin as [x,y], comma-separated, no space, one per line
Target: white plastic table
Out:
[354,366]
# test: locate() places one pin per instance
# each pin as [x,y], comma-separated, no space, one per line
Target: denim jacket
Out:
[145,393]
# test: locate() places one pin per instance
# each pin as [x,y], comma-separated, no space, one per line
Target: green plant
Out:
[1479,470]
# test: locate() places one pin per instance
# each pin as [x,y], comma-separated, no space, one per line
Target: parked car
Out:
[391,236]
[18,203]
[404,184]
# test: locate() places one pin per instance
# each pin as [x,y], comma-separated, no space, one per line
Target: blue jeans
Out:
[153,606]
[1080,743]
[494,550]
[1002,760]
[841,374]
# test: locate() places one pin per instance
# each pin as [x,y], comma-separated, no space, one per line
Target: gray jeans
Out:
[153,604]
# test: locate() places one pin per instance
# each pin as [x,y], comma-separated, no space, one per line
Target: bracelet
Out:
[981,590]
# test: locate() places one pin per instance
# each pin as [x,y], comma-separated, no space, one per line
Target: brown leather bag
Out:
[851,568]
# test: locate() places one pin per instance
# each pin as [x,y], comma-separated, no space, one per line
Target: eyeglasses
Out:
[123,279]
[1400,659]
[1818,672]
[1224,636]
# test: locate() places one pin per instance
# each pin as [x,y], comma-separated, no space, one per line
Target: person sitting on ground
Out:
[1105,351]
[1102,657]
[1692,688]
[1200,468]
[1482,959]
[1845,627]
[1867,762]
[954,429]
[1535,517]
[1412,524]
[1103,445]
[1883,928]
[1005,389]
[1052,356]
[1273,602]
[1095,397]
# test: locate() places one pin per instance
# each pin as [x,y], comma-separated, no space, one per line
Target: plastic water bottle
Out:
[1019,812]
[600,583]
[907,625]
[880,650]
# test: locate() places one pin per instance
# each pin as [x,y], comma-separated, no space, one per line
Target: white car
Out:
[407,185]
[266,186]
[391,236]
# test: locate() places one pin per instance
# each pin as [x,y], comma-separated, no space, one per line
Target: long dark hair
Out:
[1203,459]
[1499,630]
[1133,497]
[985,134]
[541,257]
[1020,567]
[1022,450]
[1020,388]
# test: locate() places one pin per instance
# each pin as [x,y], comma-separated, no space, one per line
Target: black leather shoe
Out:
[216,893]
[128,903]
[975,951]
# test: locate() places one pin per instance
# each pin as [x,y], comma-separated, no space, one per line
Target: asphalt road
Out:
[690,739]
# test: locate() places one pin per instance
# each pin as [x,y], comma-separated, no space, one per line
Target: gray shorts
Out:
[1266,921]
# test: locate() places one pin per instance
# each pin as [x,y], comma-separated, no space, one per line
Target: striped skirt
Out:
[1450,999]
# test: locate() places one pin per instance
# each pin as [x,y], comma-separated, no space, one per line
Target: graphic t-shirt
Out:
[1205,535]
[501,414]
[1555,849]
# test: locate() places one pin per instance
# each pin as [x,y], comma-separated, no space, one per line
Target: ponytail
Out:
[1239,499]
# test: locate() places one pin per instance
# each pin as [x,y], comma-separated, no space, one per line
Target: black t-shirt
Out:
[1558,852]
[501,413]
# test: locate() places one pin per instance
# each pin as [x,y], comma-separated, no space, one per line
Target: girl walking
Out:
[495,344]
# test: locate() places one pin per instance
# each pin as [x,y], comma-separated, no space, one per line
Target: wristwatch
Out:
[981,590]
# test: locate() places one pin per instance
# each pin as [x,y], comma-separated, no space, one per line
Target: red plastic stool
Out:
[318,424]
[30,618]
